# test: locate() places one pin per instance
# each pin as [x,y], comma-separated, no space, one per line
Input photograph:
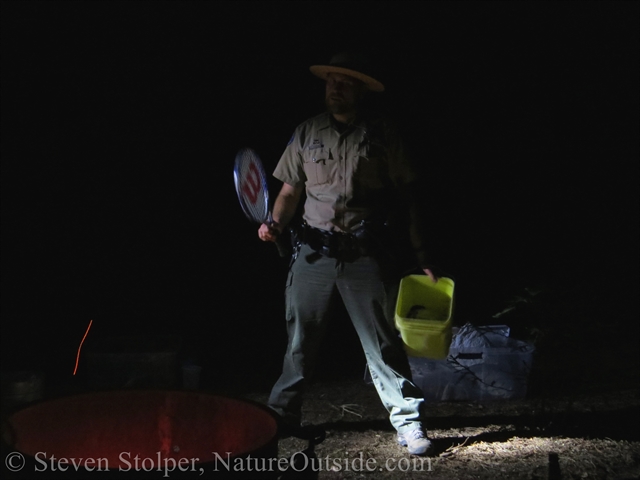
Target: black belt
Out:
[340,245]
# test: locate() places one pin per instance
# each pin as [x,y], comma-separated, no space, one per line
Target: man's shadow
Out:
[304,465]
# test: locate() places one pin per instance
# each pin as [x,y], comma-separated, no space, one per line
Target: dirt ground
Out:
[591,437]
[580,418]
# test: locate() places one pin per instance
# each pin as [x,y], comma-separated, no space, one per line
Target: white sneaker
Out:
[415,440]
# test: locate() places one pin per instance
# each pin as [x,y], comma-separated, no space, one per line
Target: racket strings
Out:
[251,186]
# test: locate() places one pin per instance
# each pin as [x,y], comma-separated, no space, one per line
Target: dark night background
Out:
[120,123]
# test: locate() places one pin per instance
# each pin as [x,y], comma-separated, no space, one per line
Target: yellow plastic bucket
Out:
[424,315]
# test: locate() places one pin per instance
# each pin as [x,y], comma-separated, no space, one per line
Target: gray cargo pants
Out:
[368,291]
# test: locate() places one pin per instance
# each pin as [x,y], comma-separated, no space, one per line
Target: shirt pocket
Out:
[319,166]
[371,171]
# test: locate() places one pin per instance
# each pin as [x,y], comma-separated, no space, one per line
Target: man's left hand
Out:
[430,274]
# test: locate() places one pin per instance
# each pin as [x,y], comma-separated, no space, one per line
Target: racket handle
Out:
[282,250]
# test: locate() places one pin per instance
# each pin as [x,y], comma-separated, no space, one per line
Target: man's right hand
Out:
[283,210]
[269,233]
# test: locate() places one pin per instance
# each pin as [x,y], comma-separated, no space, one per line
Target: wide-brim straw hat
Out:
[348,63]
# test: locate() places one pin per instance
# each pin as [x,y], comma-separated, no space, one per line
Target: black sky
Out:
[120,121]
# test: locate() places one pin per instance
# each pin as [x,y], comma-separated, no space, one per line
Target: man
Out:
[353,171]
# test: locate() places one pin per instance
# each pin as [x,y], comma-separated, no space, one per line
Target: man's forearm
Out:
[285,205]
[418,233]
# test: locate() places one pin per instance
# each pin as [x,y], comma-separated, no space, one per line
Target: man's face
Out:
[343,93]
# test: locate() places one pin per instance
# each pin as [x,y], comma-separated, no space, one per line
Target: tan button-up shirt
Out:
[349,176]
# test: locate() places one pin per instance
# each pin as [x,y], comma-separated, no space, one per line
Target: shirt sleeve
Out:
[403,173]
[401,167]
[290,168]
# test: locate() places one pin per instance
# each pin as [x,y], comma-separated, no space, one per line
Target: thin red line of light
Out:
[80,347]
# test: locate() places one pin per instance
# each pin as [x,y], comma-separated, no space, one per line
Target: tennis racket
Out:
[252,190]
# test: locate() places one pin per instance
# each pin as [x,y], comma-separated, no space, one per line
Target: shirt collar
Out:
[326,120]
